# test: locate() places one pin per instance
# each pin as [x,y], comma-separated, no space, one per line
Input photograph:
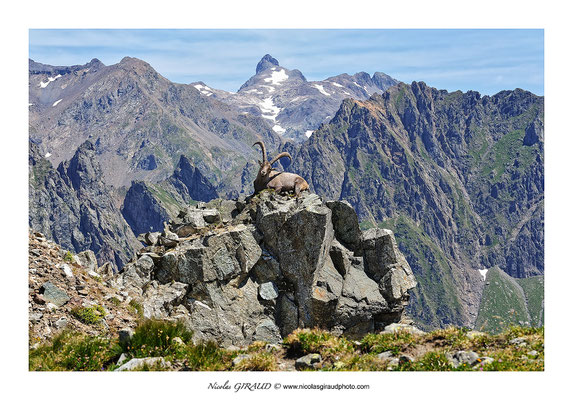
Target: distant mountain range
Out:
[294,106]
[459,177]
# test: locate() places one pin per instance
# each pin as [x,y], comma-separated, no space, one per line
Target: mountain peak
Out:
[266,62]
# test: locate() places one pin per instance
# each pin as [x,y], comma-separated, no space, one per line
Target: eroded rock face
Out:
[278,264]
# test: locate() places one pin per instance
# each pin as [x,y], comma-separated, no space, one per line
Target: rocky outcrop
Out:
[74,208]
[267,265]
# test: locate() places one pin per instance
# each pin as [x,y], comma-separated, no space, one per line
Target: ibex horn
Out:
[279,156]
[263,150]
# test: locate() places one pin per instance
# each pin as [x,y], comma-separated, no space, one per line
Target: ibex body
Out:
[269,178]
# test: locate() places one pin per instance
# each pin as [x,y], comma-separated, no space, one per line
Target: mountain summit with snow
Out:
[294,106]
[266,62]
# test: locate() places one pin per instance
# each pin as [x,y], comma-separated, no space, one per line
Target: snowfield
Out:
[50,79]
[321,89]
[277,77]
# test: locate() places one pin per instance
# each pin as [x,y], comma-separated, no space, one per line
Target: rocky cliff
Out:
[256,269]
[73,207]
[457,176]
[147,205]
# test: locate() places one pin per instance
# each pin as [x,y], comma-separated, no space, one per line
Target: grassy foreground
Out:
[516,349]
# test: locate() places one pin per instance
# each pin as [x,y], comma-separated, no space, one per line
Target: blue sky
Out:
[484,60]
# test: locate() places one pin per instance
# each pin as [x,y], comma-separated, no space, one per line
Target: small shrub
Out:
[432,361]
[136,308]
[115,301]
[89,315]
[153,338]
[69,257]
[261,361]
[394,342]
[207,357]
[306,341]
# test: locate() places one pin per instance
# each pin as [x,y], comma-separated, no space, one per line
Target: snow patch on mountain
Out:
[321,89]
[50,79]
[483,273]
[309,133]
[267,106]
[206,90]
[56,103]
[279,129]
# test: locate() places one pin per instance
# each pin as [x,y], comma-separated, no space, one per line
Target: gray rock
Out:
[284,270]
[397,327]
[221,256]
[240,358]
[67,270]
[267,331]
[122,359]
[139,273]
[345,223]
[168,239]
[53,294]
[136,363]
[125,336]
[310,361]
[150,238]
[268,291]
[384,263]
[341,257]
[35,316]
[387,355]
[461,357]
[303,242]
[87,259]
[359,303]
[287,314]
[107,270]
[267,268]
[61,323]
[518,341]
[160,300]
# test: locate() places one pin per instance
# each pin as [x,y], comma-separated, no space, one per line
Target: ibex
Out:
[270,178]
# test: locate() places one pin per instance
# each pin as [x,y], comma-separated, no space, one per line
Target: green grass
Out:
[502,304]
[394,342]
[154,338]
[534,294]
[307,341]
[70,351]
